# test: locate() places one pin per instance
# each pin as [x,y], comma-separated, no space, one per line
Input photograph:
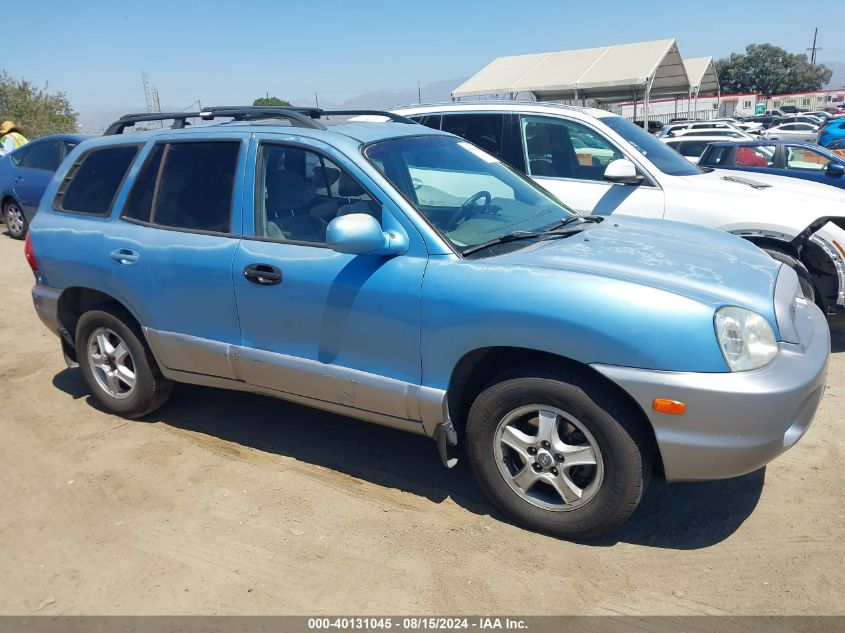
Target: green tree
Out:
[769,70]
[270,101]
[35,110]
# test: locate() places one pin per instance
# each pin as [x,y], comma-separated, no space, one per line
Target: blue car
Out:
[779,158]
[400,275]
[25,173]
[833,130]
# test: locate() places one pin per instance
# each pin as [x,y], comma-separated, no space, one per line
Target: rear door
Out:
[168,257]
[569,159]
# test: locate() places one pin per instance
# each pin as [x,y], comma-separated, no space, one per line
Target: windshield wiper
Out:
[519,235]
[574,218]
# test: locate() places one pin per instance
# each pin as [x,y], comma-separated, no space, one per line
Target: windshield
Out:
[661,155]
[467,195]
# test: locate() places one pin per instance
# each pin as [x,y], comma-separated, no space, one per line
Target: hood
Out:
[778,186]
[703,264]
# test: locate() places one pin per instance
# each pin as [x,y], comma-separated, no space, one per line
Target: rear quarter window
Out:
[93,181]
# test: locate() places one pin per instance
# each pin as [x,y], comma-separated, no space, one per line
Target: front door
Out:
[34,173]
[569,159]
[316,323]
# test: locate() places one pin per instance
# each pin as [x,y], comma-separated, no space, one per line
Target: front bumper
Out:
[735,422]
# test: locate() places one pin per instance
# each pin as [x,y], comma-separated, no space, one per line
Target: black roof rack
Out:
[396,118]
[128,120]
[298,116]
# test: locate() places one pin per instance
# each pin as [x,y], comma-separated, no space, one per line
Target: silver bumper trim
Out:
[735,422]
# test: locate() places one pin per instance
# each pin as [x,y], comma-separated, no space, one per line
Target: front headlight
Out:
[746,338]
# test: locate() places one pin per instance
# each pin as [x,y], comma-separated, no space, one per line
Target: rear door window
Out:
[94,180]
[759,156]
[487,131]
[187,186]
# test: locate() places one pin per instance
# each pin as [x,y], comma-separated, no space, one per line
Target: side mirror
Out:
[622,171]
[361,234]
[835,170]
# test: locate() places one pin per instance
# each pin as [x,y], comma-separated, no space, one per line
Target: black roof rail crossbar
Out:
[128,120]
[397,118]
[254,112]
[298,117]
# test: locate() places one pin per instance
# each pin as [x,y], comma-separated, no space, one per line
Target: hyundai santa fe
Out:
[403,276]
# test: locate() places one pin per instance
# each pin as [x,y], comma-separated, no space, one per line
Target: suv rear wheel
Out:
[118,365]
[14,219]
[555,456]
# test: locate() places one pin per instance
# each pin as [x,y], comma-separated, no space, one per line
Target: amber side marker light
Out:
[836,244]
[669,406]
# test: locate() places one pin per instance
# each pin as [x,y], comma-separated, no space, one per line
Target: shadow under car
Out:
[676,516]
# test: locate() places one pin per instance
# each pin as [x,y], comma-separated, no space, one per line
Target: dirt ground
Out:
[229,503]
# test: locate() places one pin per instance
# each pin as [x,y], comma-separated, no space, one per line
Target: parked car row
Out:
[480,279]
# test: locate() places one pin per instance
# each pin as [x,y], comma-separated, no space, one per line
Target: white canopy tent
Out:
[608,74]
[703,79]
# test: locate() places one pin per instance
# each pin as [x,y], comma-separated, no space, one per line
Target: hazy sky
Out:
[230,52]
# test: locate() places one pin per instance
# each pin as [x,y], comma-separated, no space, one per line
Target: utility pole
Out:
[316,100]
[419,93]
[814,47]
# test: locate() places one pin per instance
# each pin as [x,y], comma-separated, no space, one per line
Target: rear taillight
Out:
[822,132]
[29,253]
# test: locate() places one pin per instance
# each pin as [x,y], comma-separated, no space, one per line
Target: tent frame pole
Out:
[648,83]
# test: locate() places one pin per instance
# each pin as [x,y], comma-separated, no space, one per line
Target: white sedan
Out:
[793,132]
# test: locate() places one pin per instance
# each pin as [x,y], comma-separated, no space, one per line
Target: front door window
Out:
[558,148]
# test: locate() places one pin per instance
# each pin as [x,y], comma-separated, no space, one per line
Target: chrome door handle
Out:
[124,256]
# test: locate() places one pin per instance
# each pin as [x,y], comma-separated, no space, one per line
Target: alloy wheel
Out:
[15,221]
[111,363]
[548,457]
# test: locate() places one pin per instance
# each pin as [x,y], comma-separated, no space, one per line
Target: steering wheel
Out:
[464,209]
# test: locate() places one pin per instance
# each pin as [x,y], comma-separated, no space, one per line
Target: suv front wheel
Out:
[550,455]
[118,365]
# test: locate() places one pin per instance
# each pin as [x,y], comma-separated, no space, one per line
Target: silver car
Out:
[804,132]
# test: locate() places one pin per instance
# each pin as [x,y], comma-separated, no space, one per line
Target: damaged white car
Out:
[600,163]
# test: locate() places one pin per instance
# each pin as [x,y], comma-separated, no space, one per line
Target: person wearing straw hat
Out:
[10,137]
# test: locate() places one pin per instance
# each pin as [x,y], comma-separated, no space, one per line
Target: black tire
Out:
[151,389]
[803,274]
[623,444]
[14,219]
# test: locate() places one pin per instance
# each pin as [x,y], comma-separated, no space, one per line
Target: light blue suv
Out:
[403,276]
